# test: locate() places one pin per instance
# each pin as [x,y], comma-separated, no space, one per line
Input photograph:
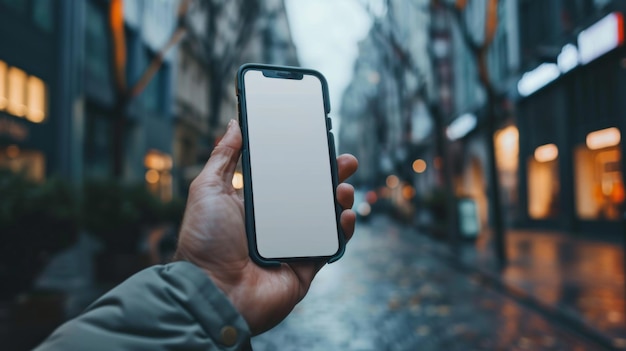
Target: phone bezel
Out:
[294,73]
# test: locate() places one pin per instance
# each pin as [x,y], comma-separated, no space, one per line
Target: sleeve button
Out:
[228,336]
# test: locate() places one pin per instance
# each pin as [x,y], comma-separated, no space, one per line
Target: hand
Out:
[213,237]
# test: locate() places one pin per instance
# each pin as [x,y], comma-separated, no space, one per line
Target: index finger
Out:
[346,166]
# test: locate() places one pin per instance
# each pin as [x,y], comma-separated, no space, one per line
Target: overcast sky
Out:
[326,34]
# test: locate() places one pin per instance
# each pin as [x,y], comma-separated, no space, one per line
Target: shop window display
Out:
[543,183]
[599,185]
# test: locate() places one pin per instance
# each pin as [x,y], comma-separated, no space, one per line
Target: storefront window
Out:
[36,100]
[507,161]
[30,163]
[17,92]
[4,99]
[599,186]
[543,183]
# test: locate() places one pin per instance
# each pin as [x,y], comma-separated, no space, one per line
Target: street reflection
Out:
[392,291]
[586,279]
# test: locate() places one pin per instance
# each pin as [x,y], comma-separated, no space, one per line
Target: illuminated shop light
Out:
[16,92]
[538,78]
[408,192]
[36,100]
[461,126]
[546,153]
[152,176]
[393,181]
[3,91]
[603,138]
[602,37]
[568,58]
[419,166]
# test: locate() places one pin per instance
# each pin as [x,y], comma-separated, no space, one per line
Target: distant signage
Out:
[538,78]
[601,38]
[461,126]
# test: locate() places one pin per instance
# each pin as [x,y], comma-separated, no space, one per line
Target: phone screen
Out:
[292,188]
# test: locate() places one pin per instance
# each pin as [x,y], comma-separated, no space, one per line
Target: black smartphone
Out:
[289,165]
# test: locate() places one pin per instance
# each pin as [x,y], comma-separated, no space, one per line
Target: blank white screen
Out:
[294,208]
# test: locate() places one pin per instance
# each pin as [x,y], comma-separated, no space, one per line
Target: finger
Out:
[345,195]
[348,221]
[223,160]
[346,166]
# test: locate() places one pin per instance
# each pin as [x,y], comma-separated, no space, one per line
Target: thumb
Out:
[223,160]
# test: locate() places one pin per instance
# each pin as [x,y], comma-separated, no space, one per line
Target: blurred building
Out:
[192,93]
[385,119]
[463,106]
[243,31]
[222,35]
[36,130]
[571,115]
[140,124]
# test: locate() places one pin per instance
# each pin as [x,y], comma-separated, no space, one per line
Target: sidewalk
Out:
[393,291]
[570,275]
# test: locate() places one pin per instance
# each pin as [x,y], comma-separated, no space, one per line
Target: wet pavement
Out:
[580,278]
[392,292]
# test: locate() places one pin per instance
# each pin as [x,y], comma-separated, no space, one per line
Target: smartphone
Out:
[289,165]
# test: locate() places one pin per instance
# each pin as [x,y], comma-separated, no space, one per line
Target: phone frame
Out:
[247,174]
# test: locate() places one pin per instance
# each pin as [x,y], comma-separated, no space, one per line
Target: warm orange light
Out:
[507,148]
[408,192]
[3,83]
[546,153]
[157,160]
[393,181]
[152,176]
[116,22]
[419,166]
[601,139]
[16,92]
[13,151]
[238,180]
[36,100]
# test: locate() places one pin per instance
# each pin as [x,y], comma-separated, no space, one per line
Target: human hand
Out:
[213,237]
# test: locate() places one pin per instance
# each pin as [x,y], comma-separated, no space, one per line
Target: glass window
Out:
[543,183]
[4,100]
[507,159]
[16,92]
[96,43]
[599,186]
[43,14]
[36,100]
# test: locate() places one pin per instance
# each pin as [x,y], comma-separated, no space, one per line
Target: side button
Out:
[329,123]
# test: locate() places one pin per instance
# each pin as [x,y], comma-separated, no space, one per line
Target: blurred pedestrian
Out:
[213,296]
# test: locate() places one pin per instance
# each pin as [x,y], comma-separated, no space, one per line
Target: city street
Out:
[391,292]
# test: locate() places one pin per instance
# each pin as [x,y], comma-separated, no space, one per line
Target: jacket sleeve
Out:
[170,307]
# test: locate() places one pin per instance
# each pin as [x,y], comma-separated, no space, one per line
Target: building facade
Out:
[571,115]
[37,88]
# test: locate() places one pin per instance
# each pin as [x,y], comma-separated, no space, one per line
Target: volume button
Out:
[329,123]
